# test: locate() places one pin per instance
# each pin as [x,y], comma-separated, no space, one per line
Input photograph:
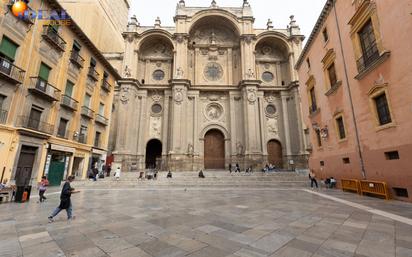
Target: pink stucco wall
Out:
[395,23]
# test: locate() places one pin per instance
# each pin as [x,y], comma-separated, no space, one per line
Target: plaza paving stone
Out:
[175,221]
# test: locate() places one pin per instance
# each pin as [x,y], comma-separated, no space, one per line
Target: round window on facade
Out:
[156,108]
[267,76]
[158,75]
[271,109]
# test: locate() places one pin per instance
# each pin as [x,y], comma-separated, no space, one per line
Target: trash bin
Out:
[22,193]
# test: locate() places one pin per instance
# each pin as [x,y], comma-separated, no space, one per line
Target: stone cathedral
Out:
[208,92]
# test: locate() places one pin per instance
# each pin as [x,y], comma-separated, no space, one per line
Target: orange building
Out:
[355,74]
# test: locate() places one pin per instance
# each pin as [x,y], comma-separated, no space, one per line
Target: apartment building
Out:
[56,93]
[356,72]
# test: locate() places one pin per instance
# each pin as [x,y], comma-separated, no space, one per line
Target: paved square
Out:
[205,221]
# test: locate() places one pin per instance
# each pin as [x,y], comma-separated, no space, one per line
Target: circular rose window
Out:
[156,108]
[158,75]
[270,109]
[267,76]
[213,71]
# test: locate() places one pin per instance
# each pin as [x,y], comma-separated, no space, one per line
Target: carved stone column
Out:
[251,112]
[178,119]
[284,96]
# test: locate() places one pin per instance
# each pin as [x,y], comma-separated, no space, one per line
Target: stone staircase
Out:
[216,178]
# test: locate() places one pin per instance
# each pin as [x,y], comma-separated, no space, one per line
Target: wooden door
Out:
[275,153]
[25,166]
[214,150]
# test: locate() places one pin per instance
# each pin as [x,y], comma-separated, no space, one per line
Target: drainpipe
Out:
[363,171]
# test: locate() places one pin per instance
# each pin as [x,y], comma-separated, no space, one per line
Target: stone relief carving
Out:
[124,95]
[251,96]
[213,35]
[270,99]
[156,97]
[155,127]
[272,125]
[214,111]
[178,96]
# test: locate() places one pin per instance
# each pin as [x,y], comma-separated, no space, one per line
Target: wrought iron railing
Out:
[370,55]
[86,111]
[93,74]
[101,119]
[11,71]
[53,37]
[69,102]
[34,124]
[106,86]
[76,59]
[43,87]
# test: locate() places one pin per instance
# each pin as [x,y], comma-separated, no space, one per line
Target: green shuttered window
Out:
[8,48]
[44,71]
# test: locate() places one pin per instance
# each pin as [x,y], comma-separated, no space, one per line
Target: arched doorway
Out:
[275,153]
[214,150]
[153,152]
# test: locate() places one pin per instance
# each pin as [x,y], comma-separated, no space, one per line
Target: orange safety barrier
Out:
[374,188]
[351,185]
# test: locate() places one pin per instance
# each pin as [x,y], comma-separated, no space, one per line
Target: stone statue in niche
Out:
[127,72]
[179,73]
[239,148]
[250,74]
[190,149]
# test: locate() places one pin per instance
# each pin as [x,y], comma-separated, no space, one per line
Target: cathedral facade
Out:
[209,92]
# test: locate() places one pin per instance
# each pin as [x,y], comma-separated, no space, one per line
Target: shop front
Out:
[58,161]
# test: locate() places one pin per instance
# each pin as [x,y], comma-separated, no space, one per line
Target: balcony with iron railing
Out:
[34,124]
[81,138]
[52,36]
[69,103]
[76,59]
[3,116]
[87,112]
[11,72]
[29,19]
[101,119]
[370,55]
[93,74]
[44,89]
[106,86]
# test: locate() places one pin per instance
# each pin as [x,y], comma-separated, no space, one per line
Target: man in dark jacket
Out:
[65,202]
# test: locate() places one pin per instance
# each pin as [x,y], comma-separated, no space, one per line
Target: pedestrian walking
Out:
[108,170]
[312,177]
[43,184]
[65,201]
[117,174]
[237,168]
[230,168]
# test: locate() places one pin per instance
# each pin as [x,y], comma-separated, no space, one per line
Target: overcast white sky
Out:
[306,11]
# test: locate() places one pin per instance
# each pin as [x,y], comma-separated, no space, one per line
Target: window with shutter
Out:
[44,71]
[69,89]
[8,48]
